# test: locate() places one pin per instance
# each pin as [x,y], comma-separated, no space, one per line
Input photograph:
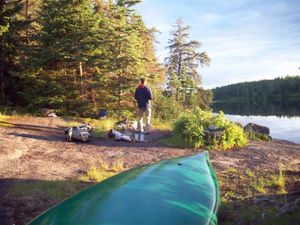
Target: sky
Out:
[247,40]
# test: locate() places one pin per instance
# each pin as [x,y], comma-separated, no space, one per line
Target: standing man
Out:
[143,96]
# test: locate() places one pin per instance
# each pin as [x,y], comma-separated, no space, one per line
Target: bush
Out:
[165,108]
[123,114]
[191,129]
[252,135]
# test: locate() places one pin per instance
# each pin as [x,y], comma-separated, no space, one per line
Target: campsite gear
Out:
[123,131]
[213,134]
[178,191]
[139,137]
[119,136]
[102,114]
[79,133]
[48,112]
[125,125]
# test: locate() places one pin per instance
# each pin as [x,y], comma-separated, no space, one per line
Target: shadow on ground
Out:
[24,199]
[271,209]
[54,134]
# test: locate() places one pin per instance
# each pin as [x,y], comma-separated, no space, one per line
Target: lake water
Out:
[283,119]
[286,128]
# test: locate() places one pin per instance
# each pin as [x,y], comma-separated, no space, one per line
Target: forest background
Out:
[80,56]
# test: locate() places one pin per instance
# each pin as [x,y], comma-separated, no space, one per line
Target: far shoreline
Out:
[281,128]
[284,141]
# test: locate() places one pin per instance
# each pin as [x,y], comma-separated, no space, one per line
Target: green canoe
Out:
[181,191]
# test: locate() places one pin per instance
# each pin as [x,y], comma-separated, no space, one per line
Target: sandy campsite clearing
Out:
[34,153]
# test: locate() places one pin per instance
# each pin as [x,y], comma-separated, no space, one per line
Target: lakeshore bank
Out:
[259,183]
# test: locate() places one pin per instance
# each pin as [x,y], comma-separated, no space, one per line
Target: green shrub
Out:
[191,129]
[252,135]
[165,108]
[123,114]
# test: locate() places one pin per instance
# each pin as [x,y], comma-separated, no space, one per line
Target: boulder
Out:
[239,124]
[48,112]
[252,127]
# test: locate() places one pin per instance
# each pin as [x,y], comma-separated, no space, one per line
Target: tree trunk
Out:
[2,65]
[2,87]
[27,18]
[26,8]
[81,78]
[179,76]
[74,76]
[179,68]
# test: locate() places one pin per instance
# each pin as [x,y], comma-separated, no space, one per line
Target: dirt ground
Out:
[33,150]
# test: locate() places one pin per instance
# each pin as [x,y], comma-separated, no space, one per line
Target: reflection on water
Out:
[283,118]
[280,127]
[261,108]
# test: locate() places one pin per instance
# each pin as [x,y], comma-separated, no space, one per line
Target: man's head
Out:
[142,80]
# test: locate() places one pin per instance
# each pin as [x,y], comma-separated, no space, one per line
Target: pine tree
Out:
[4,24]
[182,64]
[68,44]
[79,55]
[130,53]
[11,50]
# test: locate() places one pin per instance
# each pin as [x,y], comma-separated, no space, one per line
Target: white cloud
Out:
[247,40]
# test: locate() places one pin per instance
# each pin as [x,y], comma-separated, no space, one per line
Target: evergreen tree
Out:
[4,24]
[131,54]
[11,45]
[76,56]
[182,64]
[68,44]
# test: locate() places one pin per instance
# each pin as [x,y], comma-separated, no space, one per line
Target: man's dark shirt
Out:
[143,95]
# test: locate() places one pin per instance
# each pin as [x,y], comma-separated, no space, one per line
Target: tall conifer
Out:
[182,64]
[11,50]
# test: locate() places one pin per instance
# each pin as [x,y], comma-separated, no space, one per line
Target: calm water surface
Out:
[280,127]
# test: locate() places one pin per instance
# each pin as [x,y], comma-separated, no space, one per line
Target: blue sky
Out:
[246,39]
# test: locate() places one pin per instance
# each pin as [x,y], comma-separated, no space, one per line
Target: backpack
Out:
[79,133]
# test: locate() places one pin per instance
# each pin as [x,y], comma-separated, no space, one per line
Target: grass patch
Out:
[231,170]
[96,174]
[162,125]
[54,190]
[260,185]
[237,184]
[103,171]
[278,180]
[249,173]
[118,166]
[251,135]
[173,141]
[100,126]
[4,121]
[256,197]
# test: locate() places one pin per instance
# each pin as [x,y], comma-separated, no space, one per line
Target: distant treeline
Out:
[280,96]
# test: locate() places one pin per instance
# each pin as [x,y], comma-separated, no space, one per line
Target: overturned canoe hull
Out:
[177,191]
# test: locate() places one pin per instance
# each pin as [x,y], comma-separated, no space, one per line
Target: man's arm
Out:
[135,94]
[149,94]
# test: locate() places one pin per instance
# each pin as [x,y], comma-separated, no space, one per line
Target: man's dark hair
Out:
[142,80]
